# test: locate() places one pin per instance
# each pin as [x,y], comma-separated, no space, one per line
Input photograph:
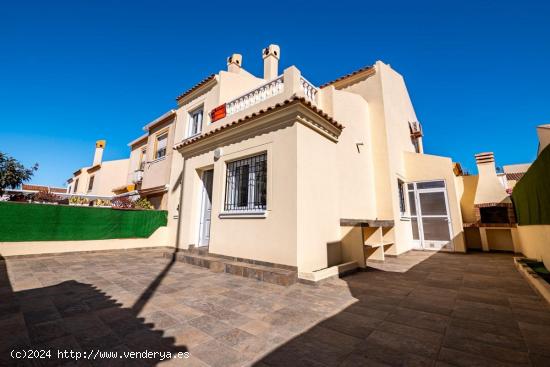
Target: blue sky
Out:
[72,72]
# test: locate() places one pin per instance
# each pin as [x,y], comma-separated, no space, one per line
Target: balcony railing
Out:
[310,91]
[138,176]
[268,90]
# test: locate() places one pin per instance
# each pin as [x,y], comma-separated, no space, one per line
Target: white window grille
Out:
[246,184]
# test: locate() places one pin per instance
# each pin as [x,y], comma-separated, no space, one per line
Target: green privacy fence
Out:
[531,195]
[42,222]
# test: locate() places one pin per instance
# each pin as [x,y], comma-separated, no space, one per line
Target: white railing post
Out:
[260,94]
[310,91]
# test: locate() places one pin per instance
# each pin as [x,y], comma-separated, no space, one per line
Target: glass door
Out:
[430,220]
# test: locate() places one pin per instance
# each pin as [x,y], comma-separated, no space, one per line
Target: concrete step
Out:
[220,265]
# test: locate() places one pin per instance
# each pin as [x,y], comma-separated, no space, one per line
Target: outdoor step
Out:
[220,265]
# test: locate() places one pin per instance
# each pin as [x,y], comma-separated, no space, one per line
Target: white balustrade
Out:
[268,90]
[310,91]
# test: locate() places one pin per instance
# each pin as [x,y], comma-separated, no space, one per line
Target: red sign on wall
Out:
[218,113]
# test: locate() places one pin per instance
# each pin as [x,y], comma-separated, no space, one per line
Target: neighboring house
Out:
[43,188]
[543,132]
[151,160]
[102,178]
[275,169]
[513,173]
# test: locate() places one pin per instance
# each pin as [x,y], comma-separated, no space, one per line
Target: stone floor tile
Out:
[215,353]
[210,325]
[420,319]
[464,342]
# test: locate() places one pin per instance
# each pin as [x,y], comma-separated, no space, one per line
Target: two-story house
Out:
[102,178]
[276,170]
[151,159]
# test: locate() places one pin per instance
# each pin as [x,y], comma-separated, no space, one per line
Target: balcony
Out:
[284,86]
[137,176]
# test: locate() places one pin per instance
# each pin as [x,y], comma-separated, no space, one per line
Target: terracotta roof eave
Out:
[196,86]
[253,115]
[365,68]
[94,168]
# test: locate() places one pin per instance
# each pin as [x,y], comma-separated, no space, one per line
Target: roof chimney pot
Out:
[271,55]
[234,63]
[98,155]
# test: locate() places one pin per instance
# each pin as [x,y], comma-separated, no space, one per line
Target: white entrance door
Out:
[430,219]
[206,208]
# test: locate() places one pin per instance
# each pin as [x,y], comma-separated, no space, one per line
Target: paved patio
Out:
[448,309]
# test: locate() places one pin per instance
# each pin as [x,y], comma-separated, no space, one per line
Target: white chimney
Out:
[271,55]
[234,63]
[98,155]
[489,188]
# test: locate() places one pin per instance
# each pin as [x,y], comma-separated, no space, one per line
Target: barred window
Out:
[246,184]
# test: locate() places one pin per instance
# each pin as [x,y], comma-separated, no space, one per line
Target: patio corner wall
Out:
[158,239]
[531,197]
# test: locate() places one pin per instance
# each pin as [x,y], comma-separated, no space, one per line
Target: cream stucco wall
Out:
[318,198]
[469,185]
[273,238]
[110,175]
[157,171]
[158,239]
[535,242]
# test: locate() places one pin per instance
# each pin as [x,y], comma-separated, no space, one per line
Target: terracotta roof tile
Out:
[253,115]
[365,68]
[195,87]
[516,176]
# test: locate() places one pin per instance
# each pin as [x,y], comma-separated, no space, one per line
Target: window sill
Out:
[157,160]
[244,214]
[192,136]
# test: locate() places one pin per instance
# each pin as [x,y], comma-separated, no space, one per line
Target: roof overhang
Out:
[138,140]
[159,120]
[94,168]
[197,89]
[351,78]
[154,190]
[294,110]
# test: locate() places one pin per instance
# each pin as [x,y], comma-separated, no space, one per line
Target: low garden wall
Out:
[22,222]
[531,197]
[158,239]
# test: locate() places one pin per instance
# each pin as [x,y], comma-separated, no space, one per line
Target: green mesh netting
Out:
[42,222]
[531,195]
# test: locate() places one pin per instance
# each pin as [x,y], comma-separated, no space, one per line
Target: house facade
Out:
[102,178]
[151,161]
[275,169]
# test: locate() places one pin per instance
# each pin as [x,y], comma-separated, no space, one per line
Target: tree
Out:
[13,173]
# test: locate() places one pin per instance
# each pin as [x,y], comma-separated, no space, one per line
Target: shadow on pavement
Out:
[447,310]
[78,317]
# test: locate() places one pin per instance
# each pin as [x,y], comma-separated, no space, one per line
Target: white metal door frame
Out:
[204,240]
[421,242]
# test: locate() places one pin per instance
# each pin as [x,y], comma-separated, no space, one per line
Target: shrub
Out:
[47,197]
[143,203]
[101,202]
[78,200]
[122,203]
